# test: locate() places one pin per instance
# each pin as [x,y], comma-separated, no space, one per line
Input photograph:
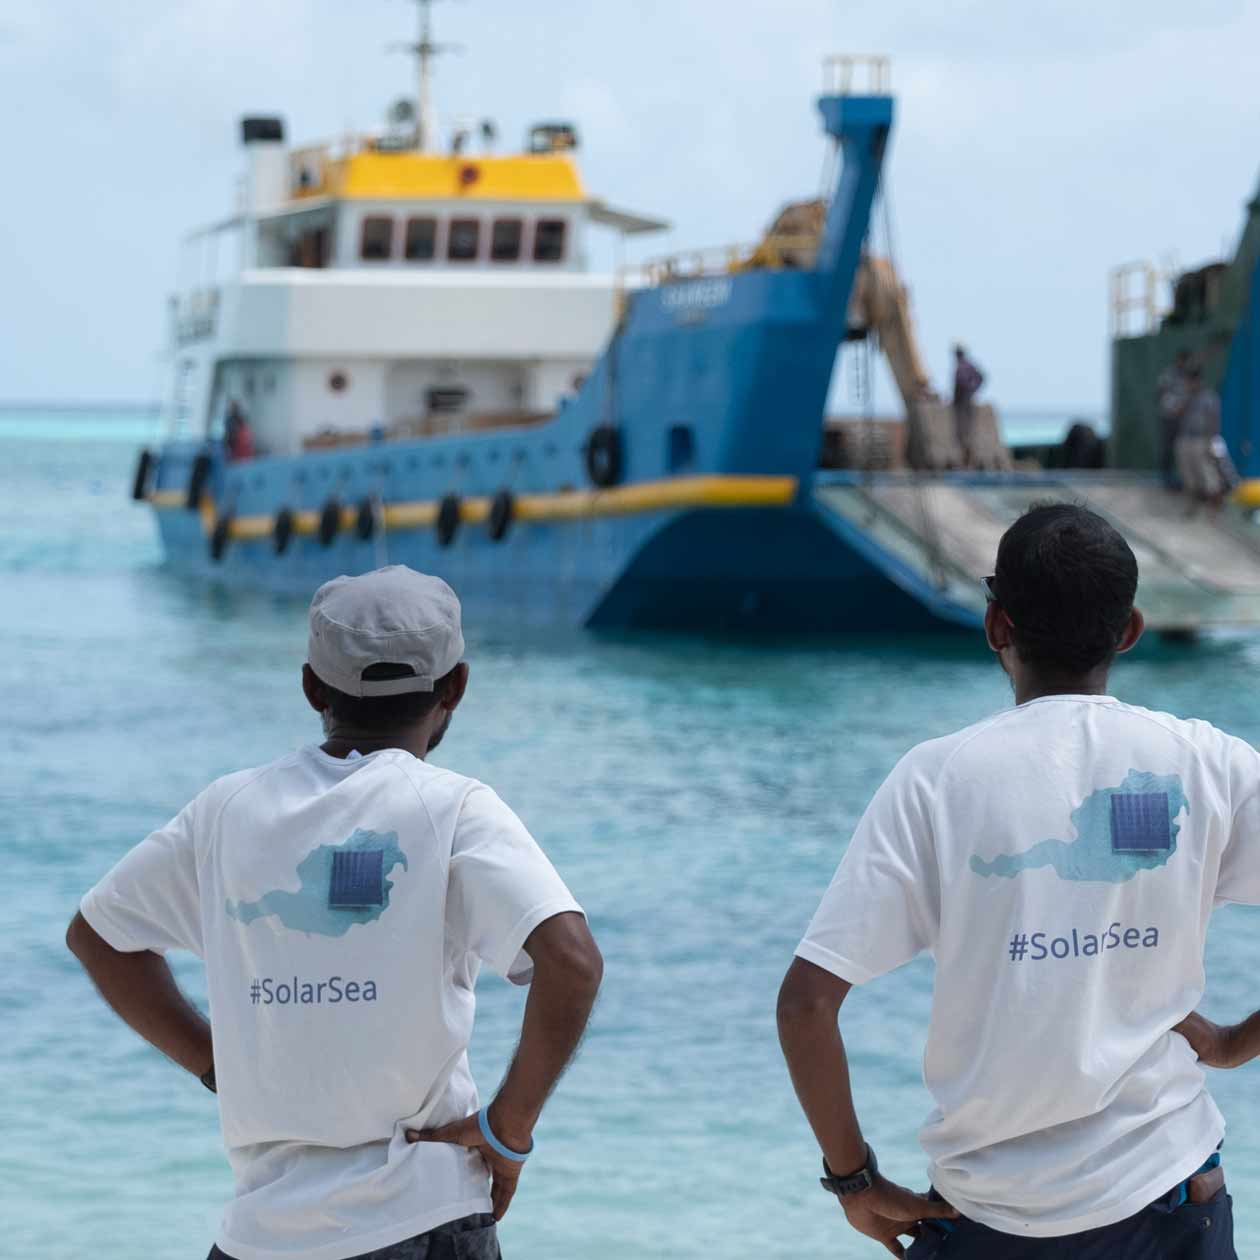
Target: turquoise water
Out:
[696,795]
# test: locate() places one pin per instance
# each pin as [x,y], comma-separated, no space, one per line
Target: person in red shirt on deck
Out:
[239,437]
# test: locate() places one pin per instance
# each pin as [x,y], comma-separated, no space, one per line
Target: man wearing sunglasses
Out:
[1060,861]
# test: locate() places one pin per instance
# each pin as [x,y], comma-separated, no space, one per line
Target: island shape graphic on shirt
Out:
[1091,855]
[307,909]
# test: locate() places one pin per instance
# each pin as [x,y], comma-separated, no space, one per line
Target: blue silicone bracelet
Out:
[483,1123]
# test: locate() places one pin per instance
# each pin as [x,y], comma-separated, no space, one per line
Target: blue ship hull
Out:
[714,388]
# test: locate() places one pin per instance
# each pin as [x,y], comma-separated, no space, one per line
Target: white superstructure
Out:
[381,286]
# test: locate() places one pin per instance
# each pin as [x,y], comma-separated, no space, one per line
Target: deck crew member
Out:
[343,898]
[1060,860]
[1172,387]
[1198,461]
[238,434]
[967,381]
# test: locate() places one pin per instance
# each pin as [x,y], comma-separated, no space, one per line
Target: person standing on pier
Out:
[1060,861]
[967,381]
[1172,388]
[1202,461]
[344,898]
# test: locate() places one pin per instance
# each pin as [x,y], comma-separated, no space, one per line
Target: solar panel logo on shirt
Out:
[1140,822]
[358,879]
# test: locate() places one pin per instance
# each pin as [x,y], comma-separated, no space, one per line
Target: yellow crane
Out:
[880,305]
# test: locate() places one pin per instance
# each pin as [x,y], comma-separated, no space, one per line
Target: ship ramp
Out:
[936,536]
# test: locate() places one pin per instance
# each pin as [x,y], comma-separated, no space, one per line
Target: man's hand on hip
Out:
[504,1172]
[1221,1045]
[887,1210]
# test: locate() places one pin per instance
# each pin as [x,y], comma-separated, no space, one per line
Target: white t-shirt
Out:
[1061,861]
[343,909]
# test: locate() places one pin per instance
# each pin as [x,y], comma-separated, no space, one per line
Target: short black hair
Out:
[385,712]
[1066,579]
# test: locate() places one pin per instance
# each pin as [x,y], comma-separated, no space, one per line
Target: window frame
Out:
[392,220]
[516,221]
[563,254]
[432,256]
[451,227]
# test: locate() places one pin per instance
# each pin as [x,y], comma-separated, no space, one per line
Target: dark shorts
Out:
[469,1238]
[1193,1231]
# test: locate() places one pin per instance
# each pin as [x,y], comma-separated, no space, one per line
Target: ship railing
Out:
[1137,299]
[774,253]
[843,72]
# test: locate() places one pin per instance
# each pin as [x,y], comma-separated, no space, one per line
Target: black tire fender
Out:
[604,455]
[219,537]
[447,524]
[365,522]
[329,521]
[197,481]
[144,469]
[282,530]
[502,513]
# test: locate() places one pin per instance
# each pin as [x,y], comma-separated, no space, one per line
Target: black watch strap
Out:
[207,1079]
[854,1182]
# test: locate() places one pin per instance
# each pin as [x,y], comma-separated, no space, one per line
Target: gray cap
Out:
[390,616]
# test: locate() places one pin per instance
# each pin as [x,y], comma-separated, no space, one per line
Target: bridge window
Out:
[505,240]
[421,243]
[549,240]
[464,242]
[377,241]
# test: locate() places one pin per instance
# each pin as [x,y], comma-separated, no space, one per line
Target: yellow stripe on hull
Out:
[568,505]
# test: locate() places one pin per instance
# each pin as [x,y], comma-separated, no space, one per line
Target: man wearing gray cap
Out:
[343,899]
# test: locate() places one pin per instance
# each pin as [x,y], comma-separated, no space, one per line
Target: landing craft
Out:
[428,374]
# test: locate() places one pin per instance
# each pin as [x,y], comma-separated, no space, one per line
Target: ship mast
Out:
[424,50]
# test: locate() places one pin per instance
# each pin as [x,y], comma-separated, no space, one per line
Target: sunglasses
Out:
[990,596]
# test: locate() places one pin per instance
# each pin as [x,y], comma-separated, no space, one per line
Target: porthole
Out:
[338,381]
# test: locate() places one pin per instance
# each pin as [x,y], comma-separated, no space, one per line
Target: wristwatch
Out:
[854,1182]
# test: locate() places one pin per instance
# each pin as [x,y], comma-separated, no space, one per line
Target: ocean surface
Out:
[695,794]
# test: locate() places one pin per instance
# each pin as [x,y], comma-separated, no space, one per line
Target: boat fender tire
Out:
[603,455]
[365,523]
[502,512]
[197,481]
[1083,448]
[282,530]
[144,467]
[447,519]
[219,538]
[329,522]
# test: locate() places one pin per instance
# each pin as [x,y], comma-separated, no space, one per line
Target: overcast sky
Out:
[1035,146]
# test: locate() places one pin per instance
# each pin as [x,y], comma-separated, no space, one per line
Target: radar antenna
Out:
[424,50]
